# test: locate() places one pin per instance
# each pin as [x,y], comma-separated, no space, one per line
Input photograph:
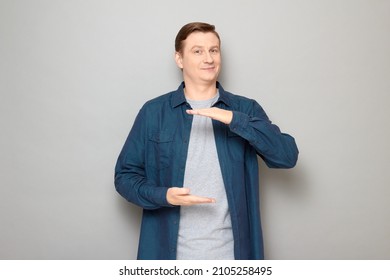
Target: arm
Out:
[277,149]
[132,183]
[130,175]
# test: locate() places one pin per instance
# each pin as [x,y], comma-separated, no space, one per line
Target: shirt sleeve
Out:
[277,149]
[131,181]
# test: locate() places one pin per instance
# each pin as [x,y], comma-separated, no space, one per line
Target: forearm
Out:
[137,189]
[278,150]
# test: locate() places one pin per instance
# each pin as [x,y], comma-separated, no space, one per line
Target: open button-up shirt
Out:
[154,156]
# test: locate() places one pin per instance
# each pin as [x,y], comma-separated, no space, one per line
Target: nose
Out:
[208,58]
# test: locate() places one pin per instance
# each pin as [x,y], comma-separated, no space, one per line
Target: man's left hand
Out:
[215,113]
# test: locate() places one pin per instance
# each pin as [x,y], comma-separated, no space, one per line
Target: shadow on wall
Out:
[284,193]
[292,182]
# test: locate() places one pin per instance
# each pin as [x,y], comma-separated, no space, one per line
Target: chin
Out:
[214,80]
[209,78]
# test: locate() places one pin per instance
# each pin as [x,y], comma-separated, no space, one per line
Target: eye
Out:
[197,51]
[214,51]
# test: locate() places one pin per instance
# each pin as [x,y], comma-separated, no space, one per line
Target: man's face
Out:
[200,58]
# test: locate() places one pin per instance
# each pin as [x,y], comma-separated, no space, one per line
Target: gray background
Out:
[73,75]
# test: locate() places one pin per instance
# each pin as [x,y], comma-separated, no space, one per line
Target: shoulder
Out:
[158,103]
[170,99]
[159,100]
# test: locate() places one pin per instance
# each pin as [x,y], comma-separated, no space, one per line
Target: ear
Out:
[179,60]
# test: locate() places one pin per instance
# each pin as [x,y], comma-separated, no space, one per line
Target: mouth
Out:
[208,68]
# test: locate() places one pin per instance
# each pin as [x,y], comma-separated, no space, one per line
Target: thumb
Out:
[184,191]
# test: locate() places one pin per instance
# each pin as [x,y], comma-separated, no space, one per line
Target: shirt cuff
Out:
[239,121]
[161,197]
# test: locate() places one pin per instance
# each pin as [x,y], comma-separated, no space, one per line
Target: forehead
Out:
[201,39]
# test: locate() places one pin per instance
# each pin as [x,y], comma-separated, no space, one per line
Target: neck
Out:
[200,92]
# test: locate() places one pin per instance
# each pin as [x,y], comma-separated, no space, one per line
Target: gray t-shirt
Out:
[205,230]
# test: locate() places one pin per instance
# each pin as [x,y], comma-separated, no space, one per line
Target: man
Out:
[190,161]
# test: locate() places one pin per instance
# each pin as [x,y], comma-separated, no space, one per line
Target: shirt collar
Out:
[178,97]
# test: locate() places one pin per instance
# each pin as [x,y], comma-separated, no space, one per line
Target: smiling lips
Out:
[208,68]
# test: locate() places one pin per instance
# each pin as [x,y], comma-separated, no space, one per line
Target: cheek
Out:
[217,59]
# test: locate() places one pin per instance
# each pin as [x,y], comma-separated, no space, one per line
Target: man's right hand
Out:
[181,196]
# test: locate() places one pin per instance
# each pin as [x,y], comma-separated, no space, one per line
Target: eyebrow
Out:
[197,46]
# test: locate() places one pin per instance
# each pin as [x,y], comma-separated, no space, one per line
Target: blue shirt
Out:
[154,155]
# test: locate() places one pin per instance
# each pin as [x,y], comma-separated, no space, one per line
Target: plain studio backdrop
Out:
[74,74]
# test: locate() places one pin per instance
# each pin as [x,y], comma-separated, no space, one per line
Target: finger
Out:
[181,196]
[183,191]
[192,112]
[179,191]
[193,199]
[201,112]
[198,111]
